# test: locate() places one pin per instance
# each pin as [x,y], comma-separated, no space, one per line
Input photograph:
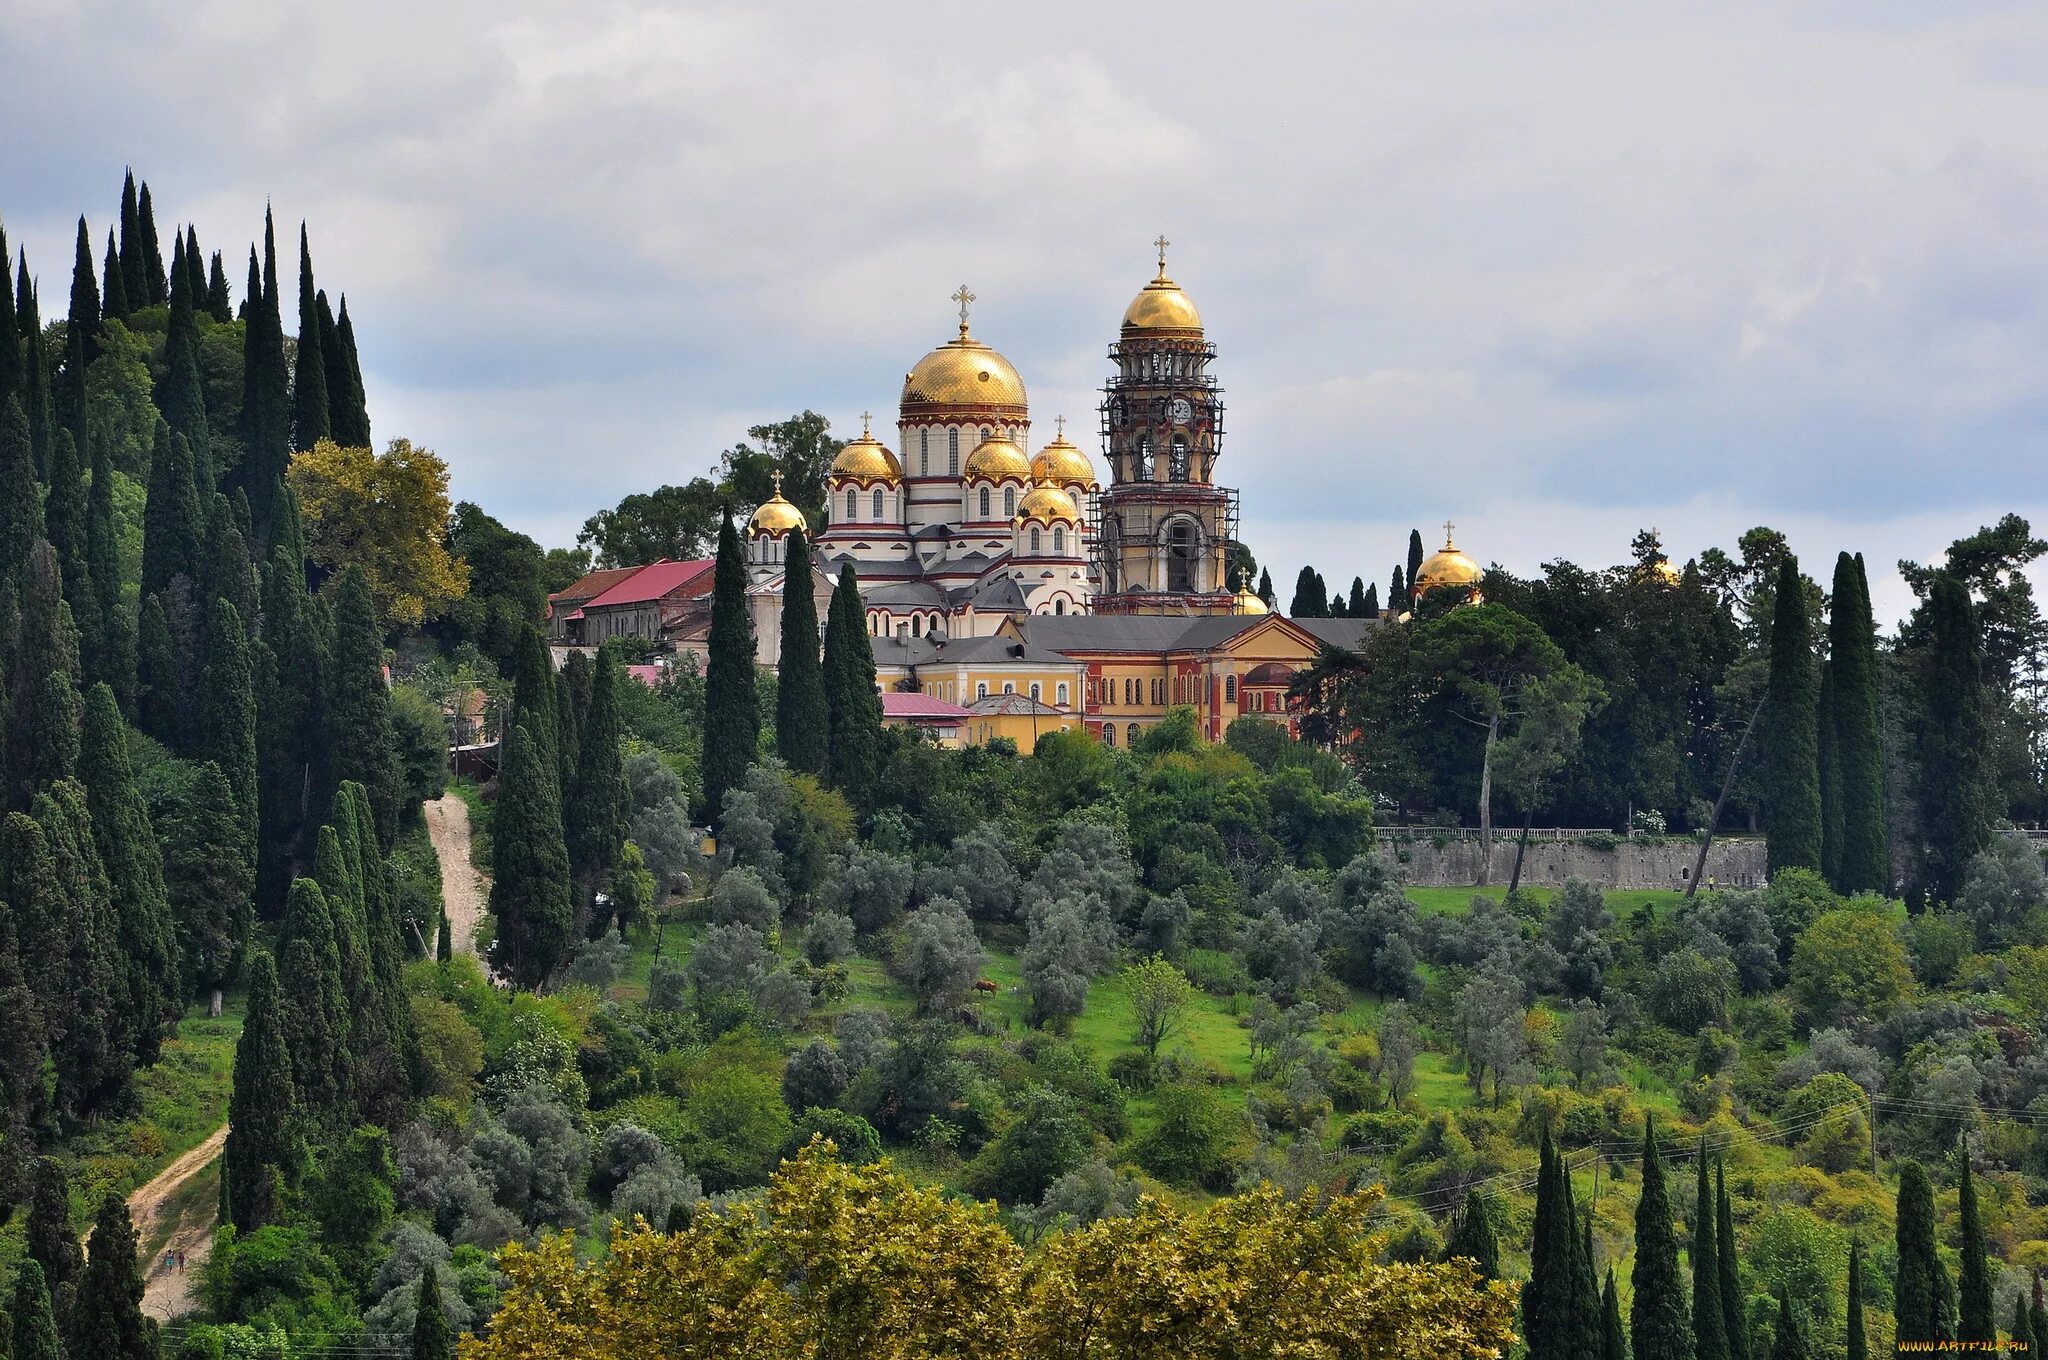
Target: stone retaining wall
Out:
[1731,863]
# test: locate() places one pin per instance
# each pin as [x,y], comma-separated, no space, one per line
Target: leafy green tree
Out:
[1161,1000]
[106,1319]
[679,523]
[259,1153]
[1047,1137]
[1921,1276]
[1472,1237]
[1974,1316]
[530,864]
[128,848]
[732,716]
[431,1338]
[1791,733]
[802,735]
[358,705]
[1658,1326]
[854,705]
[799,450]
[34,1321]
[1951,739]
[207,882]
[1849,965]
[311,417]
[1191,1138]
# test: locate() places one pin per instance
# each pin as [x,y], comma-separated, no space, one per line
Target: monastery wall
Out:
[1734,863]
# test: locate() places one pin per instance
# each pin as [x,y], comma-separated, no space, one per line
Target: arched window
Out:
[1109,734]
[1059,606]
[1060,691]
[1143,470]
[878,502]
[953,453]
[1177,467]
[1009,501]
[986,432]
[1182,550]
[1034,542]
[1037,694]
[1059,542]
[1009,687]
[924,453]
[1229,689]
[984,502]
[849,504]
[981,689]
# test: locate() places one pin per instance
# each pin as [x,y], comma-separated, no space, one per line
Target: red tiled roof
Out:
[653,582]
[647,674]
[897,703]
[595,584]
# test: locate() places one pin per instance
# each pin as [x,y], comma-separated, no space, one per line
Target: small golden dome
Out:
[1447,567]
[866,459]
[1162,306]
[776,516]
[995,458]
[1248,602]
[1667,573]
[1062,464]
[1047,504]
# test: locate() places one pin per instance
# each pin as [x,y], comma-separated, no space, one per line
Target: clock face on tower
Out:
[1180,411]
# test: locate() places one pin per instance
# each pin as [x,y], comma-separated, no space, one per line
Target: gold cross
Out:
[965,299]
[1447,533]
[864,419]
[1162,243]
[775,474]
[1060,425]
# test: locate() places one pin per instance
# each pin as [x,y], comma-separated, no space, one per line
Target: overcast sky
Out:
[1555,272]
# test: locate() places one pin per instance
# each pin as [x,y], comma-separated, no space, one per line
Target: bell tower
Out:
[1165,529]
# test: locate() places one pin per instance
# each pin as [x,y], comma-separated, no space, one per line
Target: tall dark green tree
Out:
[1473,1238]
[351,407]
[107,1322]
[1791,765]
[1951,746]
[1735,1325]
[206,878]
[1830,779]
[2022,1329]
[65,524]
[314,1007]
[853,705]
[266,400]
[152,252]
[291,666]
[112,659]
[1355,603]
[1855,1340]
[38,401]
[802,735]
[732,715]
[173,524]
[21,511]
[529,864]
[218,304]
[1548,1299]
[431,1337]
[359,705]
[572,699]
[1372,602]
[195,269]
[386,1061]
[34,1320]
[534,705]
[42,695]
[1397,593]
[1585,1285]
[260,1109]
[51,1239]
[310,415]
[1709,1322]
[1309,602]
[113,294]
[228,720]
[1613,1336]
[1415,554]
[181,396]
[1916,1294]
[1976,1322]
[133,861]
[598,806]
[11,365]
[81,339]
[1859,737]
[160,707]
[1789,1338]
[1266,591]
[134,267]
[1658,1326]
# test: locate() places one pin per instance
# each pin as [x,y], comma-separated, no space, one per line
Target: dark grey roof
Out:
[1022,705]
[1107,632]
[998,593]
[1349,634]
[916,594]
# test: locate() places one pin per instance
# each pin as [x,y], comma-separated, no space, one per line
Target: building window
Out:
[878,502]
[849,504]
[981,689]
[1109,734]
[984,503]
[1059,606]
[953,453]
[1034,542]
[1009,502]
[985,433]
[1059,542]
[1061,693]
[924,452]
[1177,467]
[1143,471]
[1229,689]
[1036,693]
[1009,687]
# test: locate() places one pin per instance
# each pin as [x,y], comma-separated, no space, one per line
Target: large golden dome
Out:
[775,517]
[995,458]
[1447,566]
[1062,464]
[1047,504]
[964,372]
[866,459]
[1162,306]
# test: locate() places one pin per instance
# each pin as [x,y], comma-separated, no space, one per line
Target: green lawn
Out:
[1623,902]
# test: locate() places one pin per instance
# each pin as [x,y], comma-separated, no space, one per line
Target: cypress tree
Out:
[81,339]
[1789,1341]
[802,735]
[128,849]
[195,269]
[106,1320]
[310,422]
[1974,1316]
[134,269]
[1266,591]
[1613,1337]
[266,403]
[2037,1314]
[1945,1308]
[181,396]
[21,511]
[1658,1327]
[358,716]
[113,296]
[1372,601]
[1856,1342]
[1859,737]
[1355,605]
[1585,1286]
[732,717]
[152,252]
[290,664]
[1548,1297]
[598,807]
[64,920]
[173,526]
[1951,741]
[1916,1293]
[259,1108]
[51,1240]
[1415,554]
[228,716]
[431,1339]
[207,880]
[1397,594]
[159,697]
[1473,1238]
[224,571]
[218,305]
[1734,1326]
[11,364]
[572,698]
[1709,1322]
[35,1321]
[112,660]
[529,864]
[2022,1330]
[37,402]
[383,1071]
[444,943]
[533,695]
[1826,750]
[66,523]
[853,705]
[314,1008]
[42,713]
[340,883]
[352,409]
[1307,602]
[1791,763]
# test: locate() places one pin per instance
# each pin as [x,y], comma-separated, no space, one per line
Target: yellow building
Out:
[1019,717]
[962,670]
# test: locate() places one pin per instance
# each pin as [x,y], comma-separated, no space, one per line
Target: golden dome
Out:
[1062,464]
[1046,504]
[1667,573]
[1248,602]
[776,516]
[1162,306]
[995,458]
[964,372]
[1447,567]
[866,459]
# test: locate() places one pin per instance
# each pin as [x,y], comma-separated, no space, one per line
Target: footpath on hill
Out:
[175,1228]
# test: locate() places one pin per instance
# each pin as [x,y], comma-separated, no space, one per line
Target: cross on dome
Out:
[1447,533]
[865,419]
[966,300]
[1161,243]
[1059,424]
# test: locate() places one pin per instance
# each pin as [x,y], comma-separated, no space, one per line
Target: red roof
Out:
[595,584]
[647,674]
[655,581]
[898,703]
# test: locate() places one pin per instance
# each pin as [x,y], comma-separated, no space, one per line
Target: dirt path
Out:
[462,887]
[167,1293]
